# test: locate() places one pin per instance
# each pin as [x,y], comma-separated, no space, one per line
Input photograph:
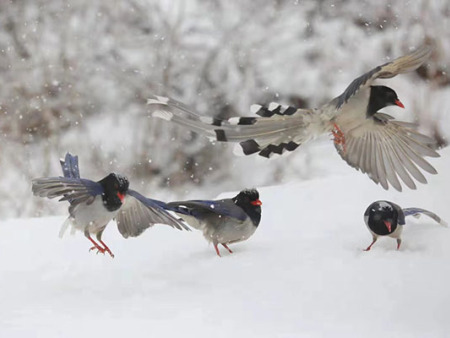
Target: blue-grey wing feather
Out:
[403,64]
[354,86]
[74,190]
[139,213]
[202,208]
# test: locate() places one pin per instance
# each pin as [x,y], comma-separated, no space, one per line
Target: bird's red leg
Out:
[370,246]
[217,249]
[339,138]
[106,248]
[399,242]
[96,246]
[226,247]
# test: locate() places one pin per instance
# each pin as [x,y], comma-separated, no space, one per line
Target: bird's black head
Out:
[380,97]
[383,217]
[248,200]
[115,187]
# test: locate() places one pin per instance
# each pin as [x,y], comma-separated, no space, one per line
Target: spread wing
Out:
[403,64]
[386,149]
[74,190]
[139,213]
[201,208]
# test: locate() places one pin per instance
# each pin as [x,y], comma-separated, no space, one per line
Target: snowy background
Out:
[76,76]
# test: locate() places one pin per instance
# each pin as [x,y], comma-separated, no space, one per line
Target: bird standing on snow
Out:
[224,221]
[94,204]
[385,218]
[365,138]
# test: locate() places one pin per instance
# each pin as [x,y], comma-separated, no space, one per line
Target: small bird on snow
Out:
[94,204]
[223,221]
[367,139]
[384,218]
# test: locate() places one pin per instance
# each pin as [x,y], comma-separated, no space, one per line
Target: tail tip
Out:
[158,100]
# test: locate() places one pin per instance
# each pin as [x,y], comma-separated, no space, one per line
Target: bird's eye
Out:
[116,186]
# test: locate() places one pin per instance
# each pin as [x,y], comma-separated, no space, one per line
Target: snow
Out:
[303,273]
[76,79]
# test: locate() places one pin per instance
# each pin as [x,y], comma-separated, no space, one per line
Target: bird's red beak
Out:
[388,225]
[121,196]
[257,202]
[399,103]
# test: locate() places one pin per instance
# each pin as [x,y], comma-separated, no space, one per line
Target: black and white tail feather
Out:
[417,211]
[279,128]
[174,111]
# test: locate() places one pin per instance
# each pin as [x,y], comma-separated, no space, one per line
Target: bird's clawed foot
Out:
[226,247]
[102,250]
[339,138]
[107,249]
[98,248]
[217,250]
[370,246]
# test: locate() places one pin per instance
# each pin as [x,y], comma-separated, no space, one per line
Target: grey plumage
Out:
[385,218]
[386,149]
[139,213]
[92,205]
[401,65]
[224,221]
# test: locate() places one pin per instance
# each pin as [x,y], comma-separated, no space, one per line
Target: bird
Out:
[384,218]
[223,221]
[94,204]
[366,138]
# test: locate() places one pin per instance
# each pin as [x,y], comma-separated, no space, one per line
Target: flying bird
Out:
[94,204]
[223,221]
[368,140]
[384,218]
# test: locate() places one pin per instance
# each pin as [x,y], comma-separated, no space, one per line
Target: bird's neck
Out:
[254,213]
[111,201]
[376,102]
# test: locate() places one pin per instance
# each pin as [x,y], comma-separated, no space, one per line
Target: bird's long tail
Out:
[68,222]
[70,166]
[70,169]
[277,129]
[417,211]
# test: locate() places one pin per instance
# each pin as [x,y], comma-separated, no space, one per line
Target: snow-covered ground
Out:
[303,273]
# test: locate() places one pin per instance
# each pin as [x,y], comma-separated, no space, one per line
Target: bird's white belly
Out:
[230,233]
[92,217]
[398,231]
